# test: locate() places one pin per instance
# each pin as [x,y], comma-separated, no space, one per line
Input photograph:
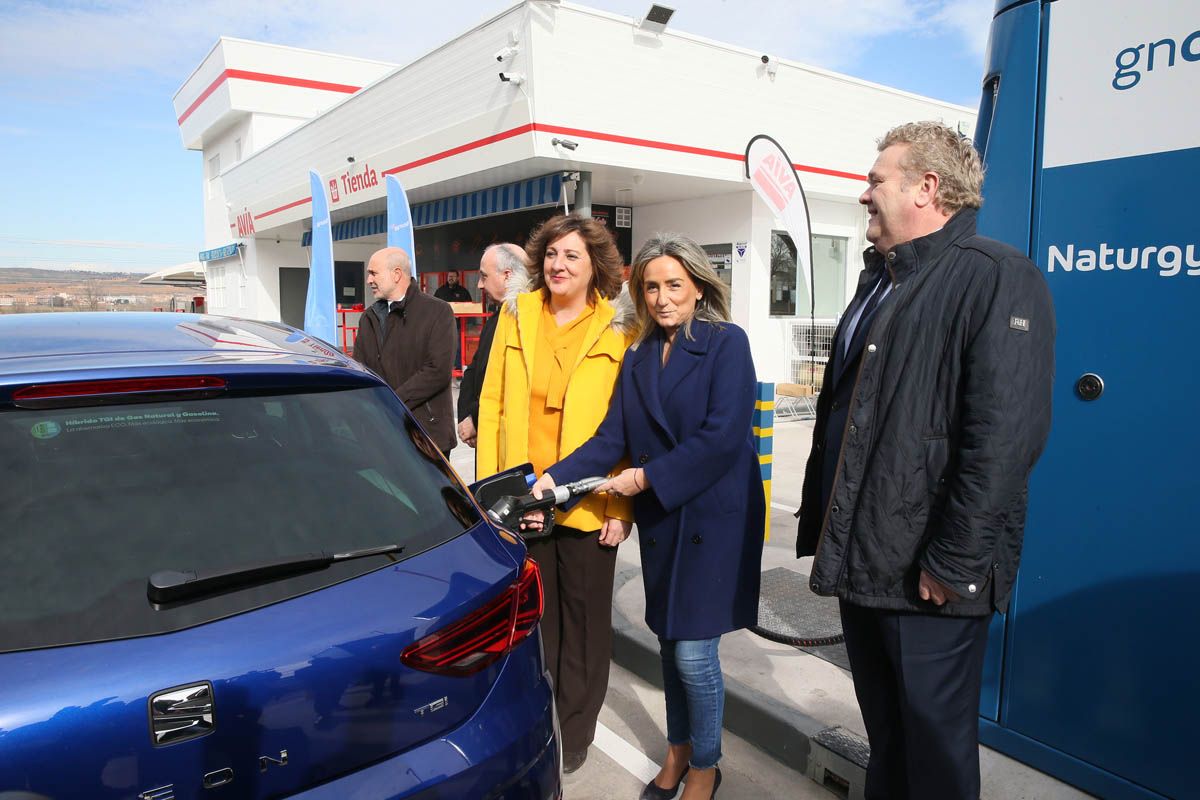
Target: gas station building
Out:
[545,106]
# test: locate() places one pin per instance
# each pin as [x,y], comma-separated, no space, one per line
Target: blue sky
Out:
[94,171]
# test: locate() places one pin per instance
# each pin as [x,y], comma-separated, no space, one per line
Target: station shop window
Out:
[215,278]
[829,263]
[788,296]
[720,257]
[214,169]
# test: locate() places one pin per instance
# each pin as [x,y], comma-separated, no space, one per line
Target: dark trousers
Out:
[917,678]
[577,581]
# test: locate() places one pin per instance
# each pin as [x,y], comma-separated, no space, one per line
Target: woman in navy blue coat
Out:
[682,415]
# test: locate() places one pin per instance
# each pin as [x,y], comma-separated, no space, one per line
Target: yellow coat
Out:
[503,432]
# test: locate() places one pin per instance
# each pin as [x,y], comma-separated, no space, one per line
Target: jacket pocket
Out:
[937,463]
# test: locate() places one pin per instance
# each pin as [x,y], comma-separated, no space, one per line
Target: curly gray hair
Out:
[932,147]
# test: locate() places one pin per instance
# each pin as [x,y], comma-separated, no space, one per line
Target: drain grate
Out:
[789,613]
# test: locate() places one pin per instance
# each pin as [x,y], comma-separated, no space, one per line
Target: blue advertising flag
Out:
[320,319]
[399,219]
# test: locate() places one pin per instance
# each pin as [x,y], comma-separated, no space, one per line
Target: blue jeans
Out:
[695,692]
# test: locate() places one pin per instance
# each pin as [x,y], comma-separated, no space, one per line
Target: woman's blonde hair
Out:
[713,303]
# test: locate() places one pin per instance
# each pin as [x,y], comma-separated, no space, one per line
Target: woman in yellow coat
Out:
[553,366]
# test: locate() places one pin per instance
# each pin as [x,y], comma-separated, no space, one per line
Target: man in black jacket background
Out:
[933,411]
[498,262]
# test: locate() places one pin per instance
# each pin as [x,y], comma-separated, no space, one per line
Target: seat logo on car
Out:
[181,713]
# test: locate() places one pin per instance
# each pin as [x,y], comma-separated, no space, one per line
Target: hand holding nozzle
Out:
[510,511]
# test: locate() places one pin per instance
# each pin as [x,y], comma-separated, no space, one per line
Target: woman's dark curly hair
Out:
[607,272]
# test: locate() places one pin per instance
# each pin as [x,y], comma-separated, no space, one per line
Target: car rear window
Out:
[96,499]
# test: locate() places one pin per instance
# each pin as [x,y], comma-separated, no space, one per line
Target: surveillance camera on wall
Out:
[566,143]
[515,78]
[506,52]
[770,64]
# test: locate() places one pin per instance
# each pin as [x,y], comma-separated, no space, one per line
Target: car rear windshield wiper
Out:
[168,585]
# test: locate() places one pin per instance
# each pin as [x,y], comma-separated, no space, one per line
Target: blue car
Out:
[234,566]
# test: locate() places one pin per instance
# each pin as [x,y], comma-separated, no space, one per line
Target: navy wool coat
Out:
[700,522]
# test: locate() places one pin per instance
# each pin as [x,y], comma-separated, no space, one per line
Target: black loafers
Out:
[573,760]
[655,792]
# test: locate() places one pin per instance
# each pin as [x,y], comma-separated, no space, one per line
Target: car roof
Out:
[87,341]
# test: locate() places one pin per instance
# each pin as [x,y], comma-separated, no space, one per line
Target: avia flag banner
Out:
[319,313]
[774,178]
[399,221]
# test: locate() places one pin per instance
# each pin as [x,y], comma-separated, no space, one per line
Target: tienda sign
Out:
[351,182]
[245,223]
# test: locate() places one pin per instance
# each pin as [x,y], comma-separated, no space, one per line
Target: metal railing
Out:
[809,346]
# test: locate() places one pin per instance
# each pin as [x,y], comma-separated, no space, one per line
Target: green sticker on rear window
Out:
[46,430]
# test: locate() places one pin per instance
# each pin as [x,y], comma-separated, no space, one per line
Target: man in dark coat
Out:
[498,262]
[452,291]
[407,338]
[934,408]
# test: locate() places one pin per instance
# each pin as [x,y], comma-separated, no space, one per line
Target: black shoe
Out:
[573,760]
[655,792]
[716,785]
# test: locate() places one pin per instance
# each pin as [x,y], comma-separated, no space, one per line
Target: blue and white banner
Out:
[399,219]
[774,178]
[319,313]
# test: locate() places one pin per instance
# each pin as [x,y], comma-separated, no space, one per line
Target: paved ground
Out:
[631,744]
[778,697]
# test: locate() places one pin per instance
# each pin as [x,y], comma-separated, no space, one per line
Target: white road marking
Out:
[782,507]
[634,761]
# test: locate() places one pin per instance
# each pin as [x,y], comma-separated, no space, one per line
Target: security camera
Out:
[771,66]
[766,59]
[515,78]
[567,143]
[506,52]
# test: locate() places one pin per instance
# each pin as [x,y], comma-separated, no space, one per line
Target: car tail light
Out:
[44,395]
[486,634]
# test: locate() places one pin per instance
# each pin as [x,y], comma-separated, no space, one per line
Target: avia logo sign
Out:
[778,182]
[245,223]
[352,182]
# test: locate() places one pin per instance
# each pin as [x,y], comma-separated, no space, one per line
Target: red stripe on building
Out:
[682,148]
[498,137]
[612,137]
[265,77]
[607,137]
[283,208]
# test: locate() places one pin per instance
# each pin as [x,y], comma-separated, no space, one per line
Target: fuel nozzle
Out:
[508,510]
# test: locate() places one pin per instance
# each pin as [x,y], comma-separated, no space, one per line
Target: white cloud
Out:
[170,38]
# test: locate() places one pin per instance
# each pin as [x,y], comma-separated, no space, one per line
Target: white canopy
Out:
[190,273]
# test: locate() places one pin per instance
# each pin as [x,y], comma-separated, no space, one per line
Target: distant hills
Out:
[12,275]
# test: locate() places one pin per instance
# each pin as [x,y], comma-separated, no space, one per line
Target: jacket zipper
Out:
[842,451]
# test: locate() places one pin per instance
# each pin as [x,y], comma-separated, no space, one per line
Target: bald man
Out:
[407,338]
[498,263]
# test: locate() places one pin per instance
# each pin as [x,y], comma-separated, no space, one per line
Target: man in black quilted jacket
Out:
[934,408]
